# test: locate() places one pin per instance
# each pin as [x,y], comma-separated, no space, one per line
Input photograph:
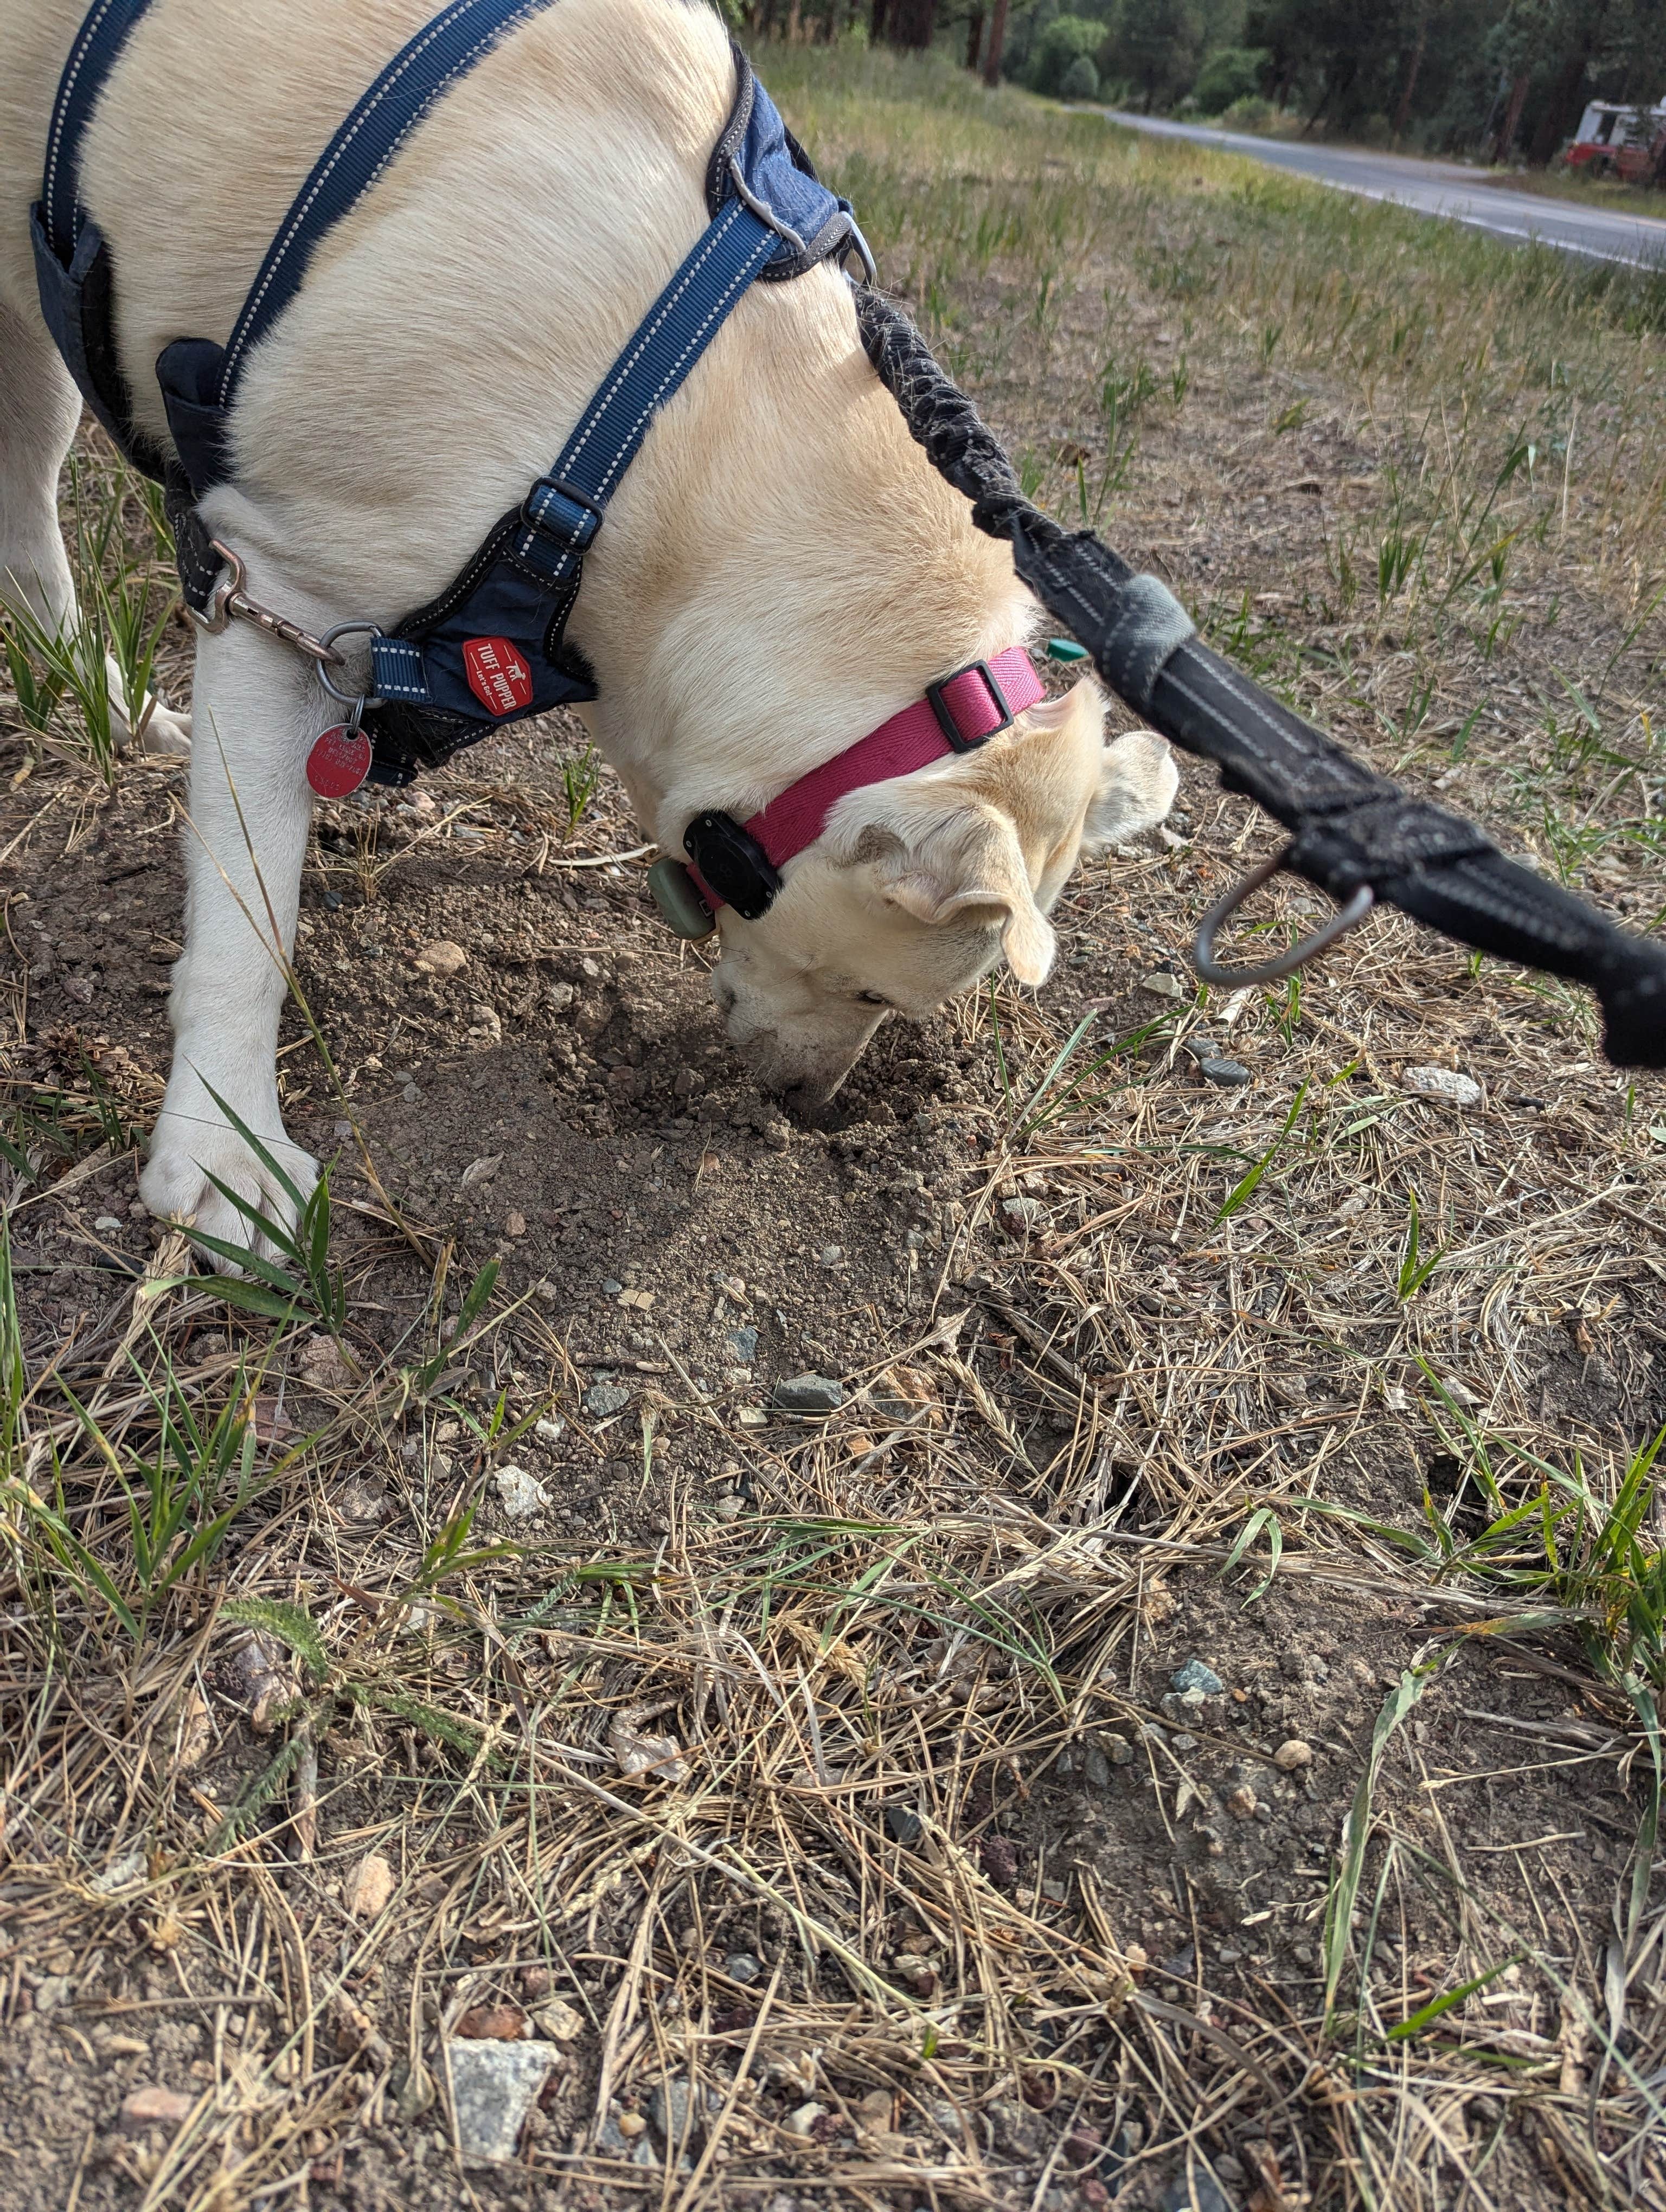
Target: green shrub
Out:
[1252,114]
[1080,81]
[1066,39]
[1230,73]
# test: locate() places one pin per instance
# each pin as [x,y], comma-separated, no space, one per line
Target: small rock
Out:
[128,1868]
[802,2121]
[658,1756]
[1118,1750]
[741,1345]
[1294,1753]
[1229,1074]
[479,1171]
[551,1430]
[519,1493]
[494,2086]
[1182,1739]
[602,1400]
[514,1223]
[369,1886]
[55,1991]
[902,1824]
[1019,1216]
[442,957]
[742,1967]
[612,1287]
[831,1255]
[1162,985]
[1194,1675]
[631,2124]
[560,2022]
[496,2023]
[809,1393]
[1083,2144]
[673,2112]
[1443,1083]
[150,2107]
[777,1136]
[731,1508]
[1096,1769]
[108,1222]
[409,1093]
[998,1855]
[1241,1802]
[560,997]
[1200,2193]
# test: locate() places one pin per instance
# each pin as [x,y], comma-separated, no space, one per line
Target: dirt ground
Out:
[950,1894]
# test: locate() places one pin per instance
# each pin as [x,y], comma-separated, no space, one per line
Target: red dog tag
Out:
[339,762]
[498,676]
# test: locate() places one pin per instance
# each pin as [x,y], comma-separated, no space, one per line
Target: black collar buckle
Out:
[958,739]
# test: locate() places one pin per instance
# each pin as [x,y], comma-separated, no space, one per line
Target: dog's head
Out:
[918,886]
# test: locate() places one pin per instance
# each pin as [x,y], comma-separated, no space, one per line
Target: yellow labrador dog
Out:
[781,570]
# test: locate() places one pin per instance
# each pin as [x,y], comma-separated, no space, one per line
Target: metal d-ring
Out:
[347,629]
[1270,971]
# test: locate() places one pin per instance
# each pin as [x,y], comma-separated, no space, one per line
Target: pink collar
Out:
[956,716]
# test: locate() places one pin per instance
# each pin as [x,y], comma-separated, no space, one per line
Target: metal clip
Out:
[228,597]
[1285,963]
[361,699]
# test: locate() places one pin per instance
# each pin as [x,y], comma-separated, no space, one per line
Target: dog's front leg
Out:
[258,710]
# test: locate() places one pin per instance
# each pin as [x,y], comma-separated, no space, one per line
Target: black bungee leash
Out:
[1356,835]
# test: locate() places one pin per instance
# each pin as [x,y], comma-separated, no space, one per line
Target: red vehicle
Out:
[1628,142]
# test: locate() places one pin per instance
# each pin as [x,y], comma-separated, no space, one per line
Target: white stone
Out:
[494,2086]
[1443,1083]
[519,1494]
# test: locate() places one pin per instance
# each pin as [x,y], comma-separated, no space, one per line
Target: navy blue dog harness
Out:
[490,648]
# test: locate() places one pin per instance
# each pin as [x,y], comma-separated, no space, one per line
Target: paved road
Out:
[1439,188]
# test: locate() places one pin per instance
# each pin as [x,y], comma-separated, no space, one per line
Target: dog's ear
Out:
[1137,781]
[970,868]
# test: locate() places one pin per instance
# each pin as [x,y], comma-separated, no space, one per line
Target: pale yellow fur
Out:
[779,570]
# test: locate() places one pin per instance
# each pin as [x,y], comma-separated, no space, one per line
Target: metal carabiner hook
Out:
[1285,963]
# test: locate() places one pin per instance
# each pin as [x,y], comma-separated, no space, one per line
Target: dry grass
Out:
[1392,1362]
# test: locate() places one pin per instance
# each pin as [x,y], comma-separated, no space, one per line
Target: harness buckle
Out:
[560,510]
[958,739]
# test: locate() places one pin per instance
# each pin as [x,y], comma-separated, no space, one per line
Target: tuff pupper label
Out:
[498,676]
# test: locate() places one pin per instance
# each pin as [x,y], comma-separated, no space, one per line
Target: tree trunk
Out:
[992,52]
[876,29]
[1403,112]
[1512,116]
[1561,114]
[974,37]
[912,23]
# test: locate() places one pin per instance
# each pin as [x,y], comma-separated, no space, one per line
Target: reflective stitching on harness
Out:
[77,61]
[715,313]
[375,98]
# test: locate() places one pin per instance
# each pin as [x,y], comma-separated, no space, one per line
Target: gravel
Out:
[1195,1676]
[603,1399]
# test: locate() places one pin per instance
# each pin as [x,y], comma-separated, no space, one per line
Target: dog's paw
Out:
[163,729]
[187,1152]
[166,731]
